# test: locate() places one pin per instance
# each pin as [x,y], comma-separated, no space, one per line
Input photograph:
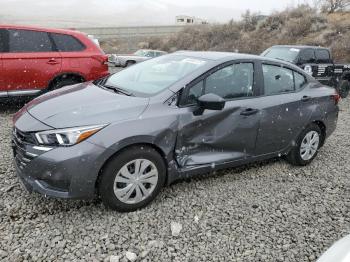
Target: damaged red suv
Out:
[34,60]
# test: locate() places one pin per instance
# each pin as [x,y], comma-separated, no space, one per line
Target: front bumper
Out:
[63,172]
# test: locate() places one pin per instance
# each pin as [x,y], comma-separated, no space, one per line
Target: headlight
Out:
[67,136]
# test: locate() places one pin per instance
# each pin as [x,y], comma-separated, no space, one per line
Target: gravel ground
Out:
[265,212]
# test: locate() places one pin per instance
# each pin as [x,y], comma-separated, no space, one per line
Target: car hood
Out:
[85,104]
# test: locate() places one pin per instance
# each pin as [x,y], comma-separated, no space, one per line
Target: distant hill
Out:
[302,25]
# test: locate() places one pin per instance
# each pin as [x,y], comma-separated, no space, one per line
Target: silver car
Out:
[126,136]
[139,56]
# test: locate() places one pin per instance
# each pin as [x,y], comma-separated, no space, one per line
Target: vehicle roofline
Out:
[39,28]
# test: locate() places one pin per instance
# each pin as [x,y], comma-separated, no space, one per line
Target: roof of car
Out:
[38,28]
[209,55]
[228,56]
[300,46]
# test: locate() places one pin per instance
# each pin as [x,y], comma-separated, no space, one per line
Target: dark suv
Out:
[35,59]
[316,61]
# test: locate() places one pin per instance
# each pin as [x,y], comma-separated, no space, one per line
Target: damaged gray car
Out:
[126,136]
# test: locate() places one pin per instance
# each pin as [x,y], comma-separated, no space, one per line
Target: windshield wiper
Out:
[118,90]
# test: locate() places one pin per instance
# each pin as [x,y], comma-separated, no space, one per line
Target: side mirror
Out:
[211,102]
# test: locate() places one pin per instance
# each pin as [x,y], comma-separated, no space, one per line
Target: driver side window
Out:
[230,82]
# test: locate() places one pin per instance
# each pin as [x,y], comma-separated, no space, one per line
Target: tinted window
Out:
[29,41]
[233,81]
[195,92]
[4,38]
[230,82]
[67,43]
[308,56]
[322,56]
[277,80]
[299,80]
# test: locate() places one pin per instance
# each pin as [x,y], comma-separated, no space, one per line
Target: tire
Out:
[344,88]
[113,179]
[129,63]
[295,156]
[64,82]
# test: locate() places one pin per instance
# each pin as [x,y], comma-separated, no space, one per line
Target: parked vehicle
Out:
[339,252]
[131,59]
[316,61]
[125,136]
[34,60]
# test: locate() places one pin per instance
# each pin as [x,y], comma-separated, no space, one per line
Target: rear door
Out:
[73,59]
[216,137]
[30,61]
[284,109]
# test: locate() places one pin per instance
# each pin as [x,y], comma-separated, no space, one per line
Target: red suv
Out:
[38,59]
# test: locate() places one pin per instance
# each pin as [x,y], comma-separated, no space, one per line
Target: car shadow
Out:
[11,107]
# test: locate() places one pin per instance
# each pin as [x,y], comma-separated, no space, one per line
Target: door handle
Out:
[305,98]
[53,62]
[249,112]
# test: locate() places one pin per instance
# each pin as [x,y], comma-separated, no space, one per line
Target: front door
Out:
[216,137]
[30,61]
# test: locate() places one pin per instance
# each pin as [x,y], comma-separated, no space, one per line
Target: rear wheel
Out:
[132,179]
[344,88]
[64,82]
[307,146]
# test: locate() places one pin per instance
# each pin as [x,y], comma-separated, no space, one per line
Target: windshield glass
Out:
[283,53]
[153,76]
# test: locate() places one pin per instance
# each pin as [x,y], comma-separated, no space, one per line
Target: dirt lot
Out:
[264,212]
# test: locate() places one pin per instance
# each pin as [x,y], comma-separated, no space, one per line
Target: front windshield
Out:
[283,53]
[153,76]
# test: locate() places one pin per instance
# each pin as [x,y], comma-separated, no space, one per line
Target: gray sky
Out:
[75,13]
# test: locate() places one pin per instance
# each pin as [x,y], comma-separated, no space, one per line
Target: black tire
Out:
[344,88]
[129,63]
[294,156]
[110,171]
[64,82]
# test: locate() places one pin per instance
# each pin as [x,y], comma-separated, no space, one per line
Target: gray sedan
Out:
[126,136]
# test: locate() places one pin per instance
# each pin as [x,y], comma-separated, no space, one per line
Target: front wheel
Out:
[132,179]
[306,147]
[344,88]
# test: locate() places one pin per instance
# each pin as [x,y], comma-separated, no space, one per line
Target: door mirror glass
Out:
[211,102]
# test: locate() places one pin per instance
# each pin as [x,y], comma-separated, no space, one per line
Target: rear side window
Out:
[67,43]
[323,56]
[4,39]
[28,41]
[280,80]
[277,80]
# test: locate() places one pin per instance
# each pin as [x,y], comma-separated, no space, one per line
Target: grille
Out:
[20,142]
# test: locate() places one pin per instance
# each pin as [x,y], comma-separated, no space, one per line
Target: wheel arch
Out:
[346,76]
[323,128]
[126,147]
[66,75]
